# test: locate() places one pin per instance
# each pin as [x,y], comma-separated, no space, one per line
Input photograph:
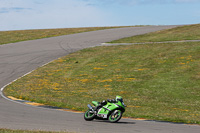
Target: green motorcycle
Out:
[111,110]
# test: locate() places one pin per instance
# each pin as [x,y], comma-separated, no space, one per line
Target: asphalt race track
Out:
[20,58]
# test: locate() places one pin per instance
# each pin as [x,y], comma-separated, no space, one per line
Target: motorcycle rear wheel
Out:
[89,115]
[115,116]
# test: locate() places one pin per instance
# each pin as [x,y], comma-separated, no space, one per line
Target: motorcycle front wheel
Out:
[115,116]
[89,115]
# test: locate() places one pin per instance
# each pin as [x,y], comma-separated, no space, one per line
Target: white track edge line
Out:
[2,88]
[3,96]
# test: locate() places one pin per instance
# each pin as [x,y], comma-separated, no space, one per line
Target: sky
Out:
[48,14]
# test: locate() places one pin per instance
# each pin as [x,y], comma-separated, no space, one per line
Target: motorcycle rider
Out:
[101,104]
[104,102]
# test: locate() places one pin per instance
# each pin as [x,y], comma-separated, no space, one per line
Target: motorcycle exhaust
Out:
[90,107]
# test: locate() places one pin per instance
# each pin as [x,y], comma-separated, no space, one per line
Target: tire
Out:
[88,116]
[115,116]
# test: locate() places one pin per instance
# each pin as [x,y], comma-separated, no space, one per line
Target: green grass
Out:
[26,131]
[157,81]
[189,32]
[23,35]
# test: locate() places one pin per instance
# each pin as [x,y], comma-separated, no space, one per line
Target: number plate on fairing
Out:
[102,115]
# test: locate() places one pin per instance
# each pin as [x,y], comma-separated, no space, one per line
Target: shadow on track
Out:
[119,122]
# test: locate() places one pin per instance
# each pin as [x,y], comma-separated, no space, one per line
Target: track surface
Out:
[20,58]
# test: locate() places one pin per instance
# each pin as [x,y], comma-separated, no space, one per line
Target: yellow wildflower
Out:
[107,85]
[108,88]
[106,80]
[55,88]
[142,69]
[135,99]
[83,75]
[123,92]
[84,80]
[130,79]
[97,68]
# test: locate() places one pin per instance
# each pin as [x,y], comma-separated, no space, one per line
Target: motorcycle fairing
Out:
[107,108]
[95,103]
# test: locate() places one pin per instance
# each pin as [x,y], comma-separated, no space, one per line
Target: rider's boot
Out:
[96,108]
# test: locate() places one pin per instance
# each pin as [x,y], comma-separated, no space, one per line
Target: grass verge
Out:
[188,32]
[157,81]
[26,131]
[23,35]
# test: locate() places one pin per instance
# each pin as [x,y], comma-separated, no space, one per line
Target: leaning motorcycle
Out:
[112,110]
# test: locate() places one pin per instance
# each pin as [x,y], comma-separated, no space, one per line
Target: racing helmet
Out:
[119,98]
[104,102]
